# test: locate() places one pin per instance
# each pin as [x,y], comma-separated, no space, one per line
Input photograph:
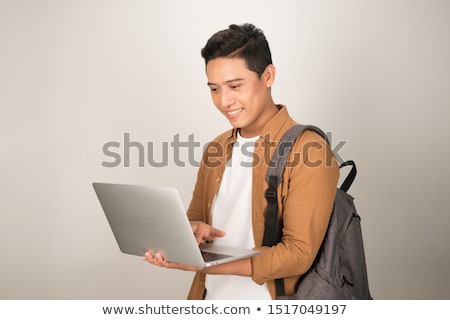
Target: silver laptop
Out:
[146,218]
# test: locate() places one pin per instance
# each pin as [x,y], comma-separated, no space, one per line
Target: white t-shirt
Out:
[232,212]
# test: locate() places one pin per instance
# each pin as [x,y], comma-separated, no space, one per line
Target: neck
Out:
[256,129]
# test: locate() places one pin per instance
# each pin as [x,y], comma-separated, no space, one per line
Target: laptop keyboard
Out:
[211,256]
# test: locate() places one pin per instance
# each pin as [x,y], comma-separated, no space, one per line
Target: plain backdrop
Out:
[75,75]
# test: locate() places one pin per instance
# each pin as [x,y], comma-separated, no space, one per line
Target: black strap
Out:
[272,231]
[279,285]
[351,175]
[272,227]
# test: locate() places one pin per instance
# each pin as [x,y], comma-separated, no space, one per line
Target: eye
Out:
[235,86]
[213,89]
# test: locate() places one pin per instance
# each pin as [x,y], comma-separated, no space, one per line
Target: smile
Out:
[234,113]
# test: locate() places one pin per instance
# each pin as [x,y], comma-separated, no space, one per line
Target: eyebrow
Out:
[228,81]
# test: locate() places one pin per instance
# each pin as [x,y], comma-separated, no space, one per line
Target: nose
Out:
[226,99]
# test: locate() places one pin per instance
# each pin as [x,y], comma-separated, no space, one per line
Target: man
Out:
[228,201]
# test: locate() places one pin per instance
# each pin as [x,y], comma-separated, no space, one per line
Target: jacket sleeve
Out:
[196,210]
[305,201]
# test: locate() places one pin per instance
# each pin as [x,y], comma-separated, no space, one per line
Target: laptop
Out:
[146,218]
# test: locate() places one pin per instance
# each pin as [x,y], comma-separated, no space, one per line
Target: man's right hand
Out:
[205,232]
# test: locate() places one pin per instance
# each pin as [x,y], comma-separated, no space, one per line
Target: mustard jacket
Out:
[305,200]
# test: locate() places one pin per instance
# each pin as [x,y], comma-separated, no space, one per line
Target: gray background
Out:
[75,75]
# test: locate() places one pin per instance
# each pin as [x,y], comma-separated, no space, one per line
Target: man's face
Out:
[240,95]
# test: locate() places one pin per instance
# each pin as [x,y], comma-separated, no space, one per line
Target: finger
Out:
[148,256]
[216,232]
[159,258]
[213,233]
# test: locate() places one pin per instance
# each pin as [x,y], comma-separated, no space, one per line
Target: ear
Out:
[268,75]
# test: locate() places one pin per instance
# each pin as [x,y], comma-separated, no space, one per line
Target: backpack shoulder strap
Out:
[284,146]
[272,232]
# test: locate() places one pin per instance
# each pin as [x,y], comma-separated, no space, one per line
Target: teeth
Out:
[232,113]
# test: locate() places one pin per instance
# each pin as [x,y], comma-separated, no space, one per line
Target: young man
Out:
[228,203]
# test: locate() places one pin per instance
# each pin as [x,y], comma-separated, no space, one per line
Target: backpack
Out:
[339,270]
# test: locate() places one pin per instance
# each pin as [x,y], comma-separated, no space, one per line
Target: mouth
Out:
[234,114]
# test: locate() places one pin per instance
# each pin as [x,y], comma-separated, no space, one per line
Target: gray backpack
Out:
[339,271]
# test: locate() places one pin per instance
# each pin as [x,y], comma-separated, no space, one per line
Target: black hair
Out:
[240,41]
